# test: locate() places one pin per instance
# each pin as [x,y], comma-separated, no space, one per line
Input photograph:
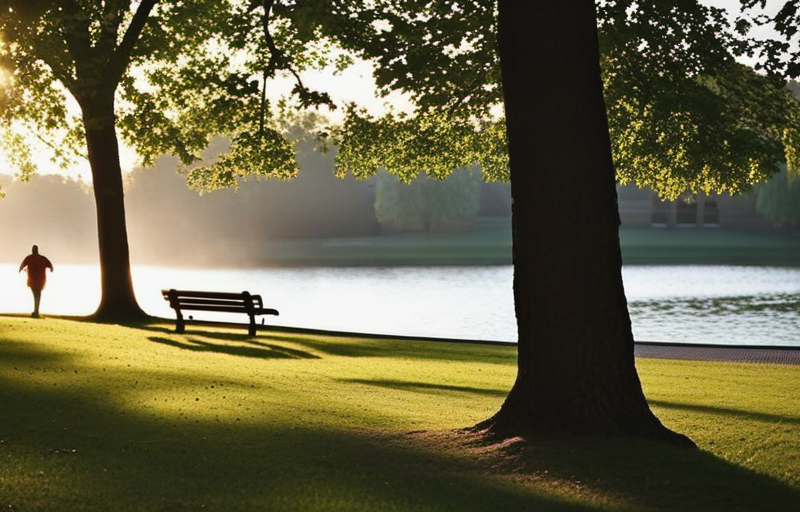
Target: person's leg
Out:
[37,297]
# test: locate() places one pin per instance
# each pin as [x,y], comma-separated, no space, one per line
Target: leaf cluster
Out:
[432,143]
[683,115]
[779,54]
[199,69]
[31,102]
[203,68]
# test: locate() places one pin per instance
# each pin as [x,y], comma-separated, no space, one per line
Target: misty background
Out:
[170,224]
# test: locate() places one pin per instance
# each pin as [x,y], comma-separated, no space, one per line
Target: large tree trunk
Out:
[117,302]
[576,364]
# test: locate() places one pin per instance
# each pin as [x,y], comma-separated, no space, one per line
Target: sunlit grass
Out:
[748,414]
[98,417]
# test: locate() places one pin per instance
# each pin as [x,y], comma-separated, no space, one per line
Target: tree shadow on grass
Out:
[723,411]
[79,448]
[366,346]
[15,352]
[640,475]
[70,442]
[426,387]
[251,349]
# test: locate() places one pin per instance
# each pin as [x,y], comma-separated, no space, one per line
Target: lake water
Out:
[686,304]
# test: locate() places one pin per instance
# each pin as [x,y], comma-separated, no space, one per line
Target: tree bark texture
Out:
[117,301]
[576,371]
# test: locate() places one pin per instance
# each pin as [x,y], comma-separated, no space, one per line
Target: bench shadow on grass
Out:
[353,345]
[366,345]
[250,348]
[76,447]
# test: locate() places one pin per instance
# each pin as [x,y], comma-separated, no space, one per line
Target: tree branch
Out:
[122,55]
[274,56]
[279,61]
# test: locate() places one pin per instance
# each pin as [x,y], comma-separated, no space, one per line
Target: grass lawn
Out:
[99,417]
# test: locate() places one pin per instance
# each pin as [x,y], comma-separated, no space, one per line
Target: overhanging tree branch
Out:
[122,55]
[279,61]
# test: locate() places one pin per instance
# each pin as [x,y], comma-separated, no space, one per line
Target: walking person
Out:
[36,265]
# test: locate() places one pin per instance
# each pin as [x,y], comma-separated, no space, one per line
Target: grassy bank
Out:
[690,246]
[102,418]
[490,244]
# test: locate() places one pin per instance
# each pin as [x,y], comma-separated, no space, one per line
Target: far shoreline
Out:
[489,245]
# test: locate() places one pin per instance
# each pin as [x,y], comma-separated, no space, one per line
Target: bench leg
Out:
[180,325]
[251,330]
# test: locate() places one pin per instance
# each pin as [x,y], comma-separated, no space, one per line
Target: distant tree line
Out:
[779,200]
[171,222]
[436,205]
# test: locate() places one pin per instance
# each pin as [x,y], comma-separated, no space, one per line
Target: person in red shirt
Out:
[36,265]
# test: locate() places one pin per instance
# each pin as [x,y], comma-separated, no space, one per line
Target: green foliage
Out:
[197,70]
[778,54]
[779,200]
[442,53]
[431,143]
[31,102]
[213,84]
[683,116]
[723,134]
[251,154]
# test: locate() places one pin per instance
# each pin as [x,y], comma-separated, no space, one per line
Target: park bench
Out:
[244,302]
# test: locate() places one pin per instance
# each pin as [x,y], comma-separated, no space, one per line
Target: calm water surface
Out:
[689,304]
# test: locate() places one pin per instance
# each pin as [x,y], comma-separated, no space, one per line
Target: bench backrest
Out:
[213,301]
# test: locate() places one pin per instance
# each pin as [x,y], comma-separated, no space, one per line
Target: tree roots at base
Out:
[502,427]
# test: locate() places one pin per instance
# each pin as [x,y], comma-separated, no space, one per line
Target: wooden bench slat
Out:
[214,295]
[210,302]
[213,307]
[222,302]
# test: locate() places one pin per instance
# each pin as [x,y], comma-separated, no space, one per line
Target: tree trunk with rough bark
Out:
[577,371]
[118,302]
